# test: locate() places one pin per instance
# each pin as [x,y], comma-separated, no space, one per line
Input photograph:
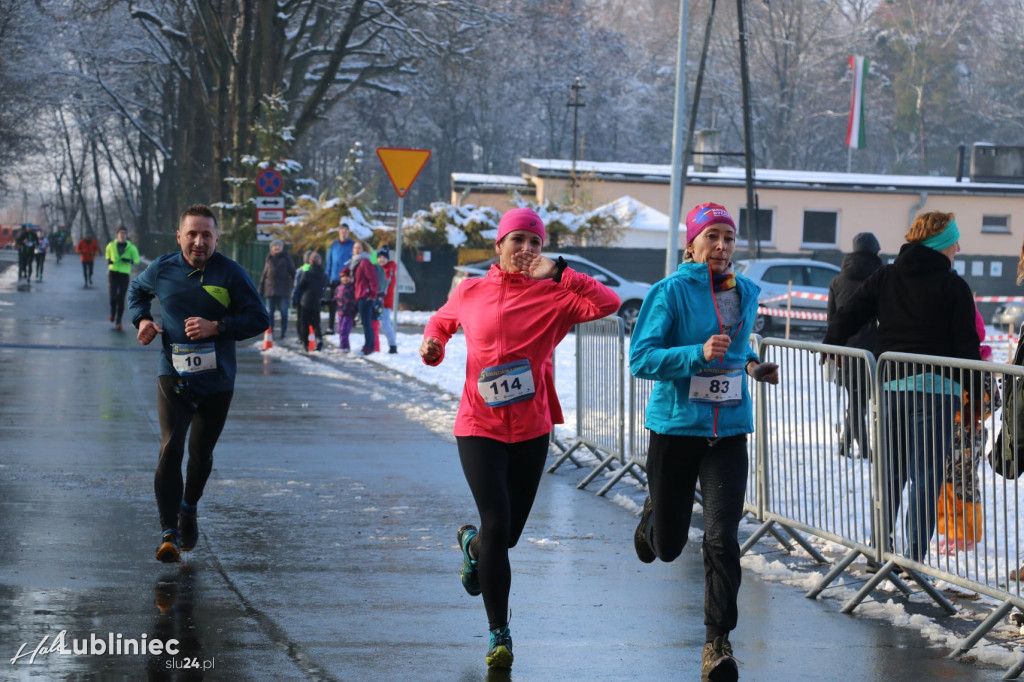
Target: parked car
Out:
[1008,315]
[631,293]
[773,275]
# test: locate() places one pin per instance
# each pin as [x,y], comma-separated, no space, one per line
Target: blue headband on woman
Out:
[948,237]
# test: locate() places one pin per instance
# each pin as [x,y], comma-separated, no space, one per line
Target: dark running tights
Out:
[674,466]
[503,478]
[177,412]
[118,287]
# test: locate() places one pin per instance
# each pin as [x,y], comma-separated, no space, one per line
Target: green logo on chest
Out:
[219,293]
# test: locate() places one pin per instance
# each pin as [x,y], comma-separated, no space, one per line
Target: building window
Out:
[765,225]
[821,230]
[995,224]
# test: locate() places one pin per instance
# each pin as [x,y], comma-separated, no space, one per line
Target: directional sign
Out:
[269,182]
[402,166]
[269,215]
[269,202]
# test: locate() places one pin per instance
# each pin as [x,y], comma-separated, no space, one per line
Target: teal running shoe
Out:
[470,579]
[500,653]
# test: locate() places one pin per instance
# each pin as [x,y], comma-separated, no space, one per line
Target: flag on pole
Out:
[855,125]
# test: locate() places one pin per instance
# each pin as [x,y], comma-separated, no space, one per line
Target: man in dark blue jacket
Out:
[208,303]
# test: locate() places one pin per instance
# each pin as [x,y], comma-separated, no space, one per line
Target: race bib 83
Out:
[721,386]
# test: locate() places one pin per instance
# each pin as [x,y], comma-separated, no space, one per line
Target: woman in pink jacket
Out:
[512,319]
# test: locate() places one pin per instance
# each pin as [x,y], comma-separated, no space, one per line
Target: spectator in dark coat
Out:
[854,378]
[310,290]
[276,283]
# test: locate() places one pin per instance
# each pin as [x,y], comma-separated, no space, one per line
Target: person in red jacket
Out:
[364,273]
[87,250]
[388,296]
[512,319]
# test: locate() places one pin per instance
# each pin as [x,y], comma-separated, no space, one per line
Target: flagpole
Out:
[849,158]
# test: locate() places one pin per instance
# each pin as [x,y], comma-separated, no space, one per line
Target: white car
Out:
[774,275]
[631,293]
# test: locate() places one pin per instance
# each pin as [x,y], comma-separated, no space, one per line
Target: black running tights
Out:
[674,465]
[118,287]
[504,478]
[178,410]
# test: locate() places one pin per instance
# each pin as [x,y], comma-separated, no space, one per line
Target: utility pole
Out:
[575,103]
[753,229]
[677,183]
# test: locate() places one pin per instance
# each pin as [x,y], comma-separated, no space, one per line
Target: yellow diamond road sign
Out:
[403,165]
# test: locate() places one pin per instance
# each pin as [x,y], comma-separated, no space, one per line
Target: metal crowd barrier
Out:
[600,396]
[921,503]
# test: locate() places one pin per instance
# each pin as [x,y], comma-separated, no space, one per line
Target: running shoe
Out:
[188,527]
[640,543]
[167,552]
[470,579]
[500,653]
[718,663]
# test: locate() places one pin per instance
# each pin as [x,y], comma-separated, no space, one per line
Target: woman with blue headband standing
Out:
[923,306]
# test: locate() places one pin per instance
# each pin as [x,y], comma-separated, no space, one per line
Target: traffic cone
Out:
[312,339]
[268,339]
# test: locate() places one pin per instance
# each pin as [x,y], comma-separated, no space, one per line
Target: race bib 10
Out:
[193,358]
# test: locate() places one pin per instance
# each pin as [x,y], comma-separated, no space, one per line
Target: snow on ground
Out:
[766,559]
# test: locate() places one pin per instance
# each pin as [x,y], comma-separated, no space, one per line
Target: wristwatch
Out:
[560,266]
[221,326]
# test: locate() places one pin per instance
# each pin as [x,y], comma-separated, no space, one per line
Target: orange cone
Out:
[312,338]
[268,339]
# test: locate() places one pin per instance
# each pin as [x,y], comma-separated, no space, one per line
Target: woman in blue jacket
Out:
[692,338]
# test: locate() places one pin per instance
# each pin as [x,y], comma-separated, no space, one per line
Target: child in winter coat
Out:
[960,517]
[310,289]
[346,299]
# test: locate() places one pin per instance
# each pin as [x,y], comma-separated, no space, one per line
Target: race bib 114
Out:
[506,384]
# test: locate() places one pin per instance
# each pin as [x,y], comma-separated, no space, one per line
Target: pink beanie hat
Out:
[705,215]
[521,219]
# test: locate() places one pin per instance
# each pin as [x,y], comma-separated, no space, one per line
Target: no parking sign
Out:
[269,182]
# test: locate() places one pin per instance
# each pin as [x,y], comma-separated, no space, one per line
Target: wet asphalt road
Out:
[327,547]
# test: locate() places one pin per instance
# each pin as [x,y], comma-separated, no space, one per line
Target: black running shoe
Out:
[188,527]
